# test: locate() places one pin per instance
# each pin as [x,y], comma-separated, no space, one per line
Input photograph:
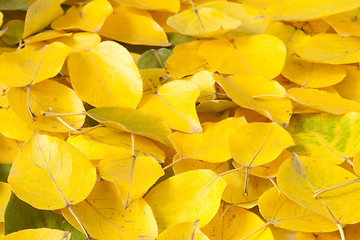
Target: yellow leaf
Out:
[106,76]
[49,173]
[31,65]
[283,212]
[40,233]
[104,216]
[236,183]
[232,222]
[244,89]
[132,175]
[330,48]
[40,14]
[350,86]
[99,142]
[12,126]
[299,177]
[81,41]
[323,101]
[174,103]
[188,164]
[5,193]
[212,145]
[134,26]
[304,73]
[207,19]
[290,10]
[326,136]
[9,149]
[47,96]
[258,143]
[346,23]
[152,79]
[132,120]
[260,54]
[190,196]
[46,35]
[162,5]
[89,17]
[186,230]
[269,169]
[206,83]
[350,231]
[356,163]
[186,60]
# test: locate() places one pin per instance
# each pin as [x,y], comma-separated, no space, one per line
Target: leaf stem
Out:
[246,181]
[341,230]
[78,220]
[275,184]
[320,191]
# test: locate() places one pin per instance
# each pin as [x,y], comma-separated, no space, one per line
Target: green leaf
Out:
[20,215]
[154,58]
[4,171]
[178,38]
[14,4]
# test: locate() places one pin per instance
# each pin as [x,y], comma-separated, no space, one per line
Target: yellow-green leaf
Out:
[190,196]
[31,64]
[326,136]
[106,76]
[49,173]
[212,145]
[40,14]
[132,120]
[104,216]
[174,103]
[299,177]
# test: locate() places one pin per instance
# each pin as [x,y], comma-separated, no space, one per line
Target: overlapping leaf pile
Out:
[124,119]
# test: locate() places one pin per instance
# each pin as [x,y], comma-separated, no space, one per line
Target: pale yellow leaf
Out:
[40,233]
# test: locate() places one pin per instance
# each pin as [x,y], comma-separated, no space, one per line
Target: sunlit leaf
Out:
[232,222]
[132,175]
[9,148]
[349,87]
[212,145]
[206,82]
[49,173]
[89,17]
[261,54]
[174,103]
[136,27]
[106,76]
[41,233]
[81,40]
[329,48]
[47,96]
[305,10]
[170,205]
[188,164]
[186,230]
[164,5]
[283,212]
[5,193]
[31,65]
[46,35]
[99,142]
[104,216]
[243,89]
